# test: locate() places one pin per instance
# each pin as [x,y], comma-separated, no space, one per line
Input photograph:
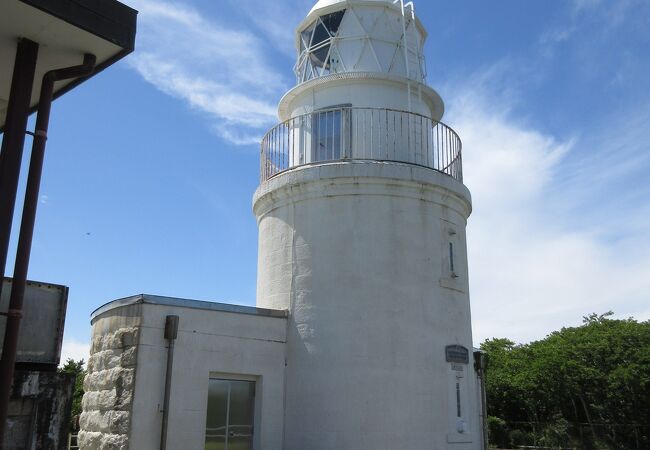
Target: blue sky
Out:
[152,164]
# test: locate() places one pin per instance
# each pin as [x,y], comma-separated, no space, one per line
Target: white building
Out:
[361,338]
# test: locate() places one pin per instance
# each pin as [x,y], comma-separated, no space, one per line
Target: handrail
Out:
[350,133]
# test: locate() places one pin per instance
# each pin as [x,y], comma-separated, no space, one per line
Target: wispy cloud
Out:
[219,70]
[276,20]
[535,263]
[611,13]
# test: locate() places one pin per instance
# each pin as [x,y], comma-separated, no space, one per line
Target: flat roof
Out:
[64,30]
[186,303]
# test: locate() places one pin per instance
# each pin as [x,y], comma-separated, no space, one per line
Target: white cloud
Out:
[276,19]
[221,71]
[535,265]
[73,349]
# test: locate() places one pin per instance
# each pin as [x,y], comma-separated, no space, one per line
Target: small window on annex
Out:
[318,56]
[229,423]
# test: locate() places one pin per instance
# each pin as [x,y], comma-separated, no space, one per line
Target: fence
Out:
[349,133]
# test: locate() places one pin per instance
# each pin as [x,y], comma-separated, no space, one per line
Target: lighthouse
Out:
[361,334]
[362,214]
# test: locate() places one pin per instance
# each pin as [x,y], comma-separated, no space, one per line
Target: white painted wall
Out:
[358,253]
[360,90]
[210,343]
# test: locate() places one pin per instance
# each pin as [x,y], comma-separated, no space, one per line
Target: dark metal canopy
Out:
[65,30]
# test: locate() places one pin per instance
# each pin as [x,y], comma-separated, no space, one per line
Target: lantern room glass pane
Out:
[316,46]
[333,21]
[319,58]
[306,34]
[320,35]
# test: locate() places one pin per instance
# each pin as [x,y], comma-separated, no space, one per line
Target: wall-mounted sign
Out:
[457,354]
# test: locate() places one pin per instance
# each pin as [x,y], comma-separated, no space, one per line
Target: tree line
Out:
[585,387]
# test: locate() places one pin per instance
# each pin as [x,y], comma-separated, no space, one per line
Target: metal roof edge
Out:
[187,303]
[110,20]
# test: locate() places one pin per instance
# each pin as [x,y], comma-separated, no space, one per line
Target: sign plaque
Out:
[457,354]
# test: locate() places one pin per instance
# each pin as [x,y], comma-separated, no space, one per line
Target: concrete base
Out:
[39,411]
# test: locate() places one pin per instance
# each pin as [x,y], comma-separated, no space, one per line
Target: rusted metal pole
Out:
[27,227]
[13,140]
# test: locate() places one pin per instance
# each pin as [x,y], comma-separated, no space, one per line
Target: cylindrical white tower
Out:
[362,216]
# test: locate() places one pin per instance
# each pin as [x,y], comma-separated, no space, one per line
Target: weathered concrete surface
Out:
[359,254]
[106,418]
[39,412]
[125,382]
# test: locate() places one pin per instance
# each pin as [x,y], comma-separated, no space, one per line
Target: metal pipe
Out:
[27,226]
[13,141]
[171,333]
[480,365]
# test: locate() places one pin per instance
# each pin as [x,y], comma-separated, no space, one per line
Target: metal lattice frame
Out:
[306,70]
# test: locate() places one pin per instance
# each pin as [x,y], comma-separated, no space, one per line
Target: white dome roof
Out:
[326,3]
[327,6]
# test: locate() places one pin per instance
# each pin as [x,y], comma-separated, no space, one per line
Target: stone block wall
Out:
[109,384]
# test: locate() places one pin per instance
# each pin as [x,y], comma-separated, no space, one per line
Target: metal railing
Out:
[347,133]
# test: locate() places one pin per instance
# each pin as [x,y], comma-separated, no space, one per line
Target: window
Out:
[331,133]
[316,56]
[451,259]
[327,135]
[229,423]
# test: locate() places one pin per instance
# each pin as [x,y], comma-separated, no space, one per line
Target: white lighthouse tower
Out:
[362,215]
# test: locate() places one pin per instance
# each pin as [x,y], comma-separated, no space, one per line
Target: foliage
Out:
[498,432]
[585,387]
[76,368]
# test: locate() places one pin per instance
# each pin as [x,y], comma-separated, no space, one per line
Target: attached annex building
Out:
[361,338]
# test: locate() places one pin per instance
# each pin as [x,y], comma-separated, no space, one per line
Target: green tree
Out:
[586,386]
[77,369]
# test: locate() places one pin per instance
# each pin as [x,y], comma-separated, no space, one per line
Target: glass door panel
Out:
[229,423]
[327,135]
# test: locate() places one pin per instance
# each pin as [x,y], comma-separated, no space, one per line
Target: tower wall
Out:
[359,253]
[364,90]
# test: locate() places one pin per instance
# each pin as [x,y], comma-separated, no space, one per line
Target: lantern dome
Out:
[377,36]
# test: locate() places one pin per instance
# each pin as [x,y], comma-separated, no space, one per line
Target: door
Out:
[229,423]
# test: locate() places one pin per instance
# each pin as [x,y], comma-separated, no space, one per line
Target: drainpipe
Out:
[27,226]
[13,140]
[480,365]
[171,333]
